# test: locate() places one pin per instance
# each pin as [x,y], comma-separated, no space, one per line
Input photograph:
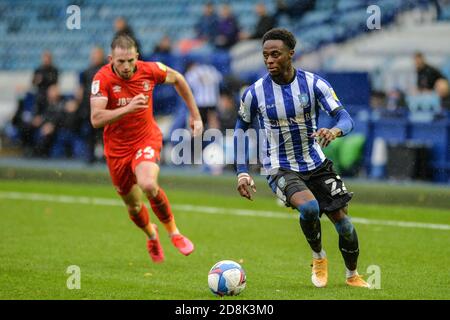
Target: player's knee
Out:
[134,209]
[344,227]
[150,188]
[309,211]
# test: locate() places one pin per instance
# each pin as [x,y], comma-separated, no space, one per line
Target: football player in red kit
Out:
[121,102]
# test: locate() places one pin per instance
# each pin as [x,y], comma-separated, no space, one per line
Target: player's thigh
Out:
[147,175]
[290,188]
[121,174]
[301,197]
[337,215]
[145,164]
[133,200]
[329,189]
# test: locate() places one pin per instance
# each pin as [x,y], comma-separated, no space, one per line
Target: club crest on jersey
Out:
[146,85]
[117,89]
[304,100]
[95,86]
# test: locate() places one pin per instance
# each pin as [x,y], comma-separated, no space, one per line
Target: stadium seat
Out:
[424,107]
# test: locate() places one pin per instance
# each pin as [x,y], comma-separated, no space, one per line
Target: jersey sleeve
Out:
[247,109]
[99,86]
[159,71]
[325,95]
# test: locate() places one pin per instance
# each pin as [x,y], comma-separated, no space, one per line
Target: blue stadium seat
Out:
[424,107]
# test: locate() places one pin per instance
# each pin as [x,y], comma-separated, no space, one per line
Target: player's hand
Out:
[324,136]
[138,102]
[196,125]
[246,185]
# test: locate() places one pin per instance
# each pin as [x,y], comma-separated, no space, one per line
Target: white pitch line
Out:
[207,210]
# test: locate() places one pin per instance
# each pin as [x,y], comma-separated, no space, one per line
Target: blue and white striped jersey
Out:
[288,115]
[204,81]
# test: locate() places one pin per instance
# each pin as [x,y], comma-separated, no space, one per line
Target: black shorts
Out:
[324,183]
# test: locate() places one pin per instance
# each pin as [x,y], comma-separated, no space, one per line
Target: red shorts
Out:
[122,169]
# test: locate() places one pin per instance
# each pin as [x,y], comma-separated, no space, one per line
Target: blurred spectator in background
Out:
[206,26]
[164,46]
[396,100]
[429,78]
[294,8]
[426,74]
[92,136]
[396,105]
[264,24]
[121,26]
[227,111]
[68,141]
[21,122]
[45,122]
[204,81]
[442,89]
[44,76]
[163,52]
[377,100]
[227,30]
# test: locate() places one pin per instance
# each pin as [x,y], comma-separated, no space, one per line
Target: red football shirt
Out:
[121,137]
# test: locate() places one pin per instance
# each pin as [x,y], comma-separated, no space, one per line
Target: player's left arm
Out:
[176,79]
[247,112]
[328,101]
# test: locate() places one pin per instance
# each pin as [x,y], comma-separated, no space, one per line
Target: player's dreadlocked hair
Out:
[123,41]
[280,34]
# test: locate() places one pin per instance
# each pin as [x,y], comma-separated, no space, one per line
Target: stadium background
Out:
[397,160]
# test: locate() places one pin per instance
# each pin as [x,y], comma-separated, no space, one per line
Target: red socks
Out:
[161,207]
[141,219]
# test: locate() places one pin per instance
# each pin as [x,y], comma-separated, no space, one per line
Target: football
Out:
[226,278]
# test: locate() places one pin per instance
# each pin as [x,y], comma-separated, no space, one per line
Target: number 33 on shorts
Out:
[147,152]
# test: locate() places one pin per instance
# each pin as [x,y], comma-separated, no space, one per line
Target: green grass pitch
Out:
[40,237]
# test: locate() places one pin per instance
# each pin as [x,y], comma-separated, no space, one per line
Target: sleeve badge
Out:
[161,66]
[95,86]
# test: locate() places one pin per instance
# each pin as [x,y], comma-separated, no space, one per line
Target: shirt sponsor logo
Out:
[146,85]
[117,89]
[290,121]
[121,102]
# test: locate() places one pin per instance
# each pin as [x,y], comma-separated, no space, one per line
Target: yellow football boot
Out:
[319,275]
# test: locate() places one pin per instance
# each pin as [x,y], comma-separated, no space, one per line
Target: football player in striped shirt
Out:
[285,102]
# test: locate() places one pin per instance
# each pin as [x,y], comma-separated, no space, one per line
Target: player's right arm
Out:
[247,112]
[100,115]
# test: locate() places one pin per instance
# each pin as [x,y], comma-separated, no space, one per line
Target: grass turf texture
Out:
[40,239]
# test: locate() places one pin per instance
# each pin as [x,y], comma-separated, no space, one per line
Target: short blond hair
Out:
[123,41]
